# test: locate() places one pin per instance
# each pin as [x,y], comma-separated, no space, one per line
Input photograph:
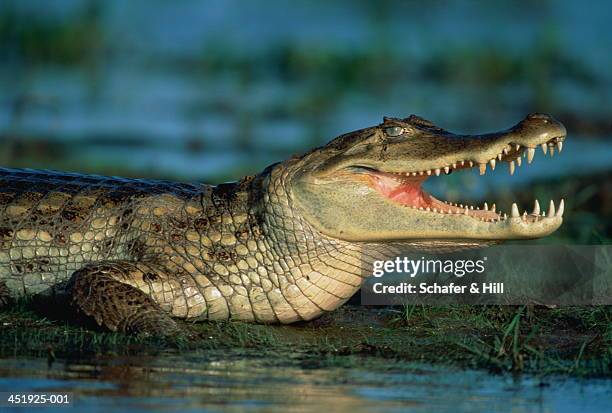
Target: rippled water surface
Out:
[229,382]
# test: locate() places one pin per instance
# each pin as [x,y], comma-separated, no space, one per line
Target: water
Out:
[580,157]
[242,381]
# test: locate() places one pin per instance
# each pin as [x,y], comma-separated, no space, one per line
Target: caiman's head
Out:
[366,185]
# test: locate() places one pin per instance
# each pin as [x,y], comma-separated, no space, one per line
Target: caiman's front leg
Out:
[103,291]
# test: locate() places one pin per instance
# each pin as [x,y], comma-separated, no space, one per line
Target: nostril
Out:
[543,116]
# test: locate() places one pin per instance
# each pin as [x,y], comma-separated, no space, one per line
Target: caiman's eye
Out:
[394,131]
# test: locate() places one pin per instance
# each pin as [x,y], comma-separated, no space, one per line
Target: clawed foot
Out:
[118,306]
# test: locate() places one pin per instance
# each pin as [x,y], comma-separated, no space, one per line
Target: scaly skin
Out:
[286,245]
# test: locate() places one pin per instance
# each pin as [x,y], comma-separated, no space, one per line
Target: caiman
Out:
[288,244]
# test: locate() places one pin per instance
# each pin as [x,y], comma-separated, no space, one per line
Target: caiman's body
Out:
[234,250]
[286,245]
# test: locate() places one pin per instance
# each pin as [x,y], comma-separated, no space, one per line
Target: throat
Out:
[407,191]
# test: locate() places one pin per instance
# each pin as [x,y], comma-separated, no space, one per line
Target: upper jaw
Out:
[480,151]
[511,153]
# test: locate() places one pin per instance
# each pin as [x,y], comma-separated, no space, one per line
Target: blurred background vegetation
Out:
[214,90]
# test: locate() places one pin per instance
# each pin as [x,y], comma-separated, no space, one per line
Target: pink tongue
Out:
[408,192]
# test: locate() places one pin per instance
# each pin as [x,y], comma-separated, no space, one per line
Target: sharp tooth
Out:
[505,216]
[551,209]
[455,165]
[446,170]
[493,208]
[434,210]
[517,147]
[524,217]
[429,172]
[471,164]
[511,167]
[485,207]
[530,154]
[483,168]
[428,209]
[561,208]
[437,171]
[552,151]
[460,205]
[420,172]
[421,209]
[467,211]
[492,163]
[544,148]
[505,151]
[462,163]
[499,156]
[536,208]
[560,146]
[471,207]
[515,211]
[519,161]
[413,174]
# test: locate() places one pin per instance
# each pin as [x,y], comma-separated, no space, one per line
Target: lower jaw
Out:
[406,191]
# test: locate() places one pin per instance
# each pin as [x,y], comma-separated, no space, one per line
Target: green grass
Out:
[36,39]
[571,341]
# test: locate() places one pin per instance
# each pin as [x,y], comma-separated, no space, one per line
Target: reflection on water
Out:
[227,382]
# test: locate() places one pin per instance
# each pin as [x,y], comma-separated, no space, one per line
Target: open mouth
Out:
[405,187]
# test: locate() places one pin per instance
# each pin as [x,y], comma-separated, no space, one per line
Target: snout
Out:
[540,127]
